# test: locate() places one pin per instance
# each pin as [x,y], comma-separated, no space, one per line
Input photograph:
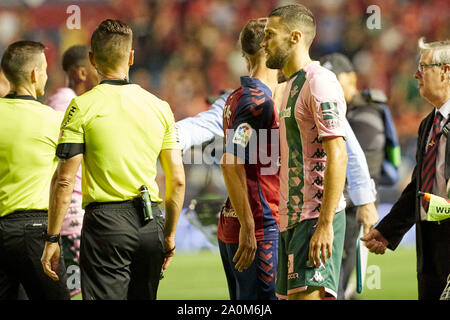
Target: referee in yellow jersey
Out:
[119,131]
[28,138]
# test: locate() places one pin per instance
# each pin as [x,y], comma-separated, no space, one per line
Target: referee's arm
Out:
[61,189]
[172,165]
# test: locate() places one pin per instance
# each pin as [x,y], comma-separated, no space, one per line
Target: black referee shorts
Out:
[120,256]
[21,248]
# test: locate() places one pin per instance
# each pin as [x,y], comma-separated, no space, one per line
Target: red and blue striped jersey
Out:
[251,127]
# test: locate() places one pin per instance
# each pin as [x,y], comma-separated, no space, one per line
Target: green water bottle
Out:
[147,204]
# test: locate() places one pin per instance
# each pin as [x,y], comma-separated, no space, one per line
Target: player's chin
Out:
[272,63]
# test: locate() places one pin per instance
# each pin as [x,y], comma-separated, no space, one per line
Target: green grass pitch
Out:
[200,276]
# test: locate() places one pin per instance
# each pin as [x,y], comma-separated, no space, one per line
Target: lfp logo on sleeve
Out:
[242,135]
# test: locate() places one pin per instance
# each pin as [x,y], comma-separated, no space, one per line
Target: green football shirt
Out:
[123,128]
[28,139]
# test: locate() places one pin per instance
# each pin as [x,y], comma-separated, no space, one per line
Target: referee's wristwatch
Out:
[50,237]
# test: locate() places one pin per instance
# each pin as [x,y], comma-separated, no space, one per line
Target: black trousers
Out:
[21,247]
[120,256]
[436,259]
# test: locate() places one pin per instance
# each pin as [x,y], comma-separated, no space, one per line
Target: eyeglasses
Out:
[421,66]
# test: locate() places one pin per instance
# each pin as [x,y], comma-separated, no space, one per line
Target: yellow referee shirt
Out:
[28,137]
[123,128]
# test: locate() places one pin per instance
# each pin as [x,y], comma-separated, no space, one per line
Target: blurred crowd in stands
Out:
[186,50]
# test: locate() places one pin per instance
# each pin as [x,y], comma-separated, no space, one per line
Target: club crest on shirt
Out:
[242,135]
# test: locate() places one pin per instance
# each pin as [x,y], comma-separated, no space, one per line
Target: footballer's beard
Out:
[277,60]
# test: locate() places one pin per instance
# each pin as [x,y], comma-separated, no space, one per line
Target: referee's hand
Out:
[50,259]
[169,251]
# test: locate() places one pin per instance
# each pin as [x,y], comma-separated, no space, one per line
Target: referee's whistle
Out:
[147,204]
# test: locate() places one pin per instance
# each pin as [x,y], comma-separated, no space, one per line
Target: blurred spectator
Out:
[185,50]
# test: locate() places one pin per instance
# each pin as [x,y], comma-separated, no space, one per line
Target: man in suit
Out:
[433,238]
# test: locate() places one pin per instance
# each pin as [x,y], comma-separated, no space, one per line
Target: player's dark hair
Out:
[19,59]
[297,16]
[75,56]
[111,43]
[252,35]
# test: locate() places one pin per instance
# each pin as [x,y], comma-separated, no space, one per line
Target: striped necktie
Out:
[429,162]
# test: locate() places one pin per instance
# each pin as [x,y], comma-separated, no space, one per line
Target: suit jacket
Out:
[406,211]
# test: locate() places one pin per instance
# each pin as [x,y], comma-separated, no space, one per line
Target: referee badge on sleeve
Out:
[242,135]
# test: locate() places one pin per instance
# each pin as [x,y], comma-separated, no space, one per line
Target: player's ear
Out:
[34,75]
[445,76]
[295,36]
[82,73]
[131,58]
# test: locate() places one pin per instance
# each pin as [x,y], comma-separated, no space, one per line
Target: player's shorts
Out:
[258,281]
[294,273]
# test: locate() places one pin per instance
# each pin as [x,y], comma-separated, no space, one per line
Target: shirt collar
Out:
[311,65]
[444,110]
[117,82]
[23,97]
[305,68]
[255,84]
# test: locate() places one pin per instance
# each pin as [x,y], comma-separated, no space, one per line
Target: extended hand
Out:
[375,242]
[321,245]
[50,259]
[367,215]
[246,251]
